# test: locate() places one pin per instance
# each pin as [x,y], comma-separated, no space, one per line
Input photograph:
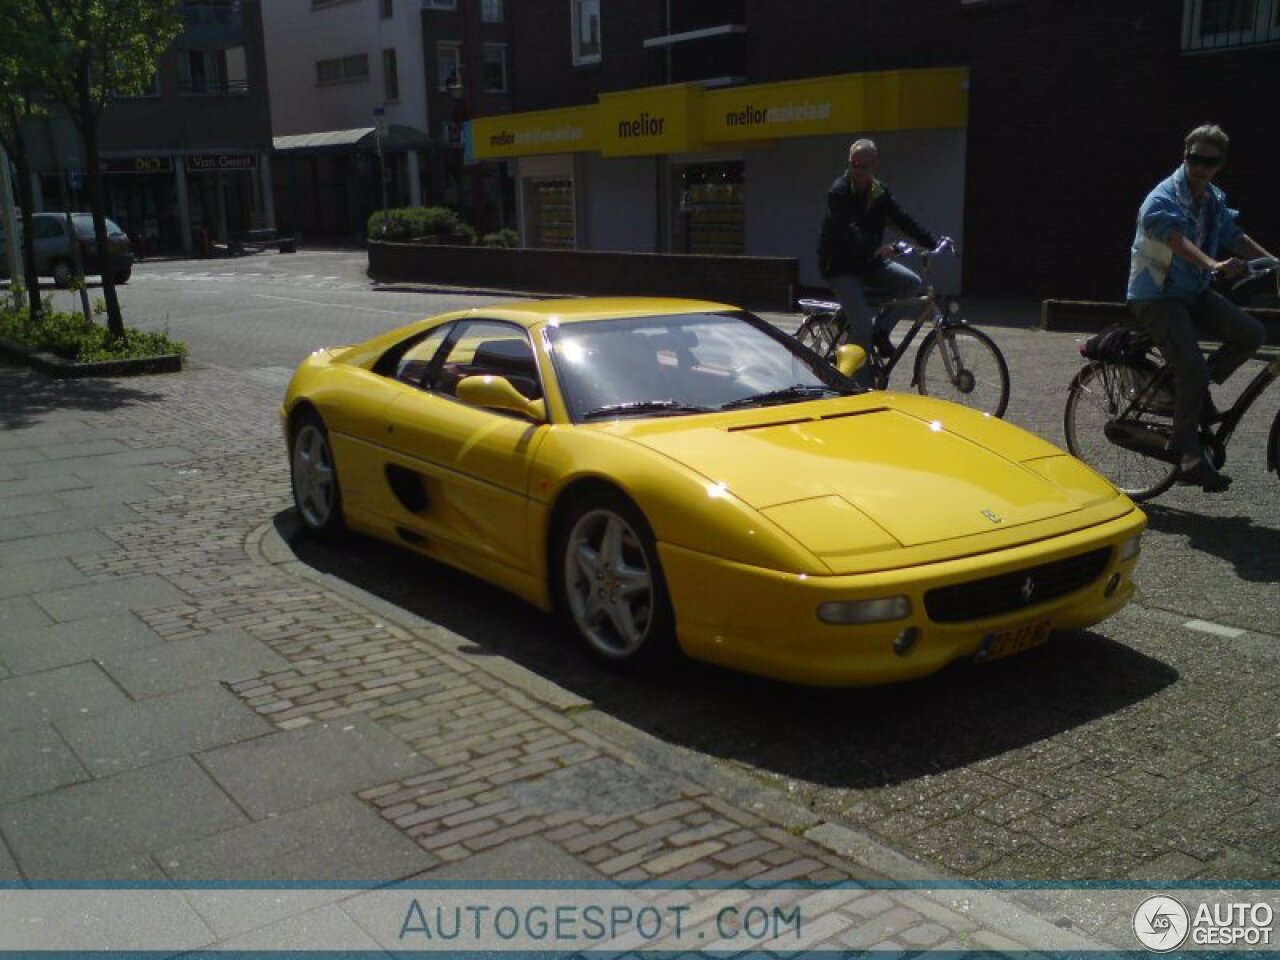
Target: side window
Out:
[47,227]
[411,365]
[490,348]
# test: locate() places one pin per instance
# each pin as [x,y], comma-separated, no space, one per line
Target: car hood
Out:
[874,472]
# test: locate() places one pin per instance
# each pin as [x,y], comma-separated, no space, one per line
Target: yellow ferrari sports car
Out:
[677,475]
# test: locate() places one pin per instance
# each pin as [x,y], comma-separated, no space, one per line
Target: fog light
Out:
[904,641]
[1130,548]
[1112,585]
[864,611]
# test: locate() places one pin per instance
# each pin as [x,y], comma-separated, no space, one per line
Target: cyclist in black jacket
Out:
[852,254]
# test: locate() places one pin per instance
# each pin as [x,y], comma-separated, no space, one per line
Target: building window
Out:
[390,76]
[342,69]
[585,15]
[1220,24]
[213,72]
[440,4]
[449,65]
[388,10]
[495,68]
[491,11]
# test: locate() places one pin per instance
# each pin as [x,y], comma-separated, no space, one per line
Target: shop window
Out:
[449,65]
[342,69]
[387,8]
[585,24]
[491,11]
[213,72]
[440,4]
[390,76]
[495,68]
[709,209]
[1222,24]
[549,214]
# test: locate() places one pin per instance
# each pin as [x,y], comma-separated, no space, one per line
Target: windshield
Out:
[686,363]
[84,225]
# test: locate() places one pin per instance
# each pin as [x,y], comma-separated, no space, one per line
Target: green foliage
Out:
[404,224]
[67,335]
[501,238]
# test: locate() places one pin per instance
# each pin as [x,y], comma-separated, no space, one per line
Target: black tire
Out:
[313,477]
[63,272]
[1098,394]
[610,589]
[122,275]
[963,365]
[821,334]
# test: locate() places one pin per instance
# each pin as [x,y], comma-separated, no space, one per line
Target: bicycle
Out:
[954,362]
[1119,412]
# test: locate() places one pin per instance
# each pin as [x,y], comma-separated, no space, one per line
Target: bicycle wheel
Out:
[1097,395]
[963,365]
[821,334]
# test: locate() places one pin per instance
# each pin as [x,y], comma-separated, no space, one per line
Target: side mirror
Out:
[850,358]
[497,393]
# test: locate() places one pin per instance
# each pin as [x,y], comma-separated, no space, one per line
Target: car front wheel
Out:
[314,477]
[612,591]
[63,273]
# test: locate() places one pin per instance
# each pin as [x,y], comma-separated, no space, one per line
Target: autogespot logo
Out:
[1161,924]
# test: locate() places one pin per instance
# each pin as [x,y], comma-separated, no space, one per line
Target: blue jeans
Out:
[851,292]
[1173,325]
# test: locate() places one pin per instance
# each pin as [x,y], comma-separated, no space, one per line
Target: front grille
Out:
[1019,590]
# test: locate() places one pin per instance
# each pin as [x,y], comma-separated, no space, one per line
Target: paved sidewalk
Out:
[181,698]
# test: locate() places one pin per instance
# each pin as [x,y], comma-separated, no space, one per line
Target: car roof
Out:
[532,313]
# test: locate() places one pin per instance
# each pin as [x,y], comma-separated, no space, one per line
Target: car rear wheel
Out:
[314,477]
[611,588]
[63,273]
[122,275]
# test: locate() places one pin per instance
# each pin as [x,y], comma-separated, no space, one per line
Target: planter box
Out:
[61,367]
[756,283]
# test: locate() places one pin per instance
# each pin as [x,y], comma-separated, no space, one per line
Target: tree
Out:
[18,83]
[93,49]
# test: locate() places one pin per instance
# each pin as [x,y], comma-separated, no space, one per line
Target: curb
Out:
[63,368]
[738,786]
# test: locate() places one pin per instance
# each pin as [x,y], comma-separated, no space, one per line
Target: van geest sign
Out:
[218,162]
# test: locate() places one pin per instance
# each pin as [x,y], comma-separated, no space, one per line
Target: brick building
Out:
[1028,129]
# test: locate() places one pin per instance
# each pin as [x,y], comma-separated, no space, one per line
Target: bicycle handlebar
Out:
[945,245]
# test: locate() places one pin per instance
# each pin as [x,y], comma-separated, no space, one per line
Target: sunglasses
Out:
[1204,160]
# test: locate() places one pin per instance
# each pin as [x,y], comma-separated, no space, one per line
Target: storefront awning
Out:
[398,137]
[684,118]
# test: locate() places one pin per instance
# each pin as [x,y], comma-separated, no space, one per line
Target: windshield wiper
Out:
[633,407]
[797,391]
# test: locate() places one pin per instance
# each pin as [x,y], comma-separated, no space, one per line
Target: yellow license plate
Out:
[1006,642]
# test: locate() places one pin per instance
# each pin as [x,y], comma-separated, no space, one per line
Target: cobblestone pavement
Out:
[1146,750]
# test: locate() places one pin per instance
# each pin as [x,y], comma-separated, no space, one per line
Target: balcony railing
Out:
[1229,24]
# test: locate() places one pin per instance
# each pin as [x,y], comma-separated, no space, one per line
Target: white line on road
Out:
[1217,629]
[318,303]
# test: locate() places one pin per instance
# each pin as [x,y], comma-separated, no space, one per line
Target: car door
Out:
[49,235]
[458,474]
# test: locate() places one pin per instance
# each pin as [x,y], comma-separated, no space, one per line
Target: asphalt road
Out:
[1147,747]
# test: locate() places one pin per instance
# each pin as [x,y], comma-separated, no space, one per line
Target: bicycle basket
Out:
[1116,344]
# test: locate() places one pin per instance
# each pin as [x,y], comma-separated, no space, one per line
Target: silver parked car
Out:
[55,256]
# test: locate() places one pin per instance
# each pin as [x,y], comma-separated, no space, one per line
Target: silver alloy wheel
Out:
[314,481]
[609,584]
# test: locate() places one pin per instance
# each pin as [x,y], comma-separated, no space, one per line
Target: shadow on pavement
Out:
[1253,550]
[26,396]
[864,738]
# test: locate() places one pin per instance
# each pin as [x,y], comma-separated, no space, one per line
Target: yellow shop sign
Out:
[651,120]
[569,130]
[848,103]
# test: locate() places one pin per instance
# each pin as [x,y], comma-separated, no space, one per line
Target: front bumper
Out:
[765,621]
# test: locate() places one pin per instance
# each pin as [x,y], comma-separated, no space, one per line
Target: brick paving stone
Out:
[649,835]
[676,859]
[431,841]
[678,808]
[746,851]
[588,837]
[514,831]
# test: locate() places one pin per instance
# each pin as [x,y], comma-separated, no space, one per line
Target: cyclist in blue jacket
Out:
[1184,226]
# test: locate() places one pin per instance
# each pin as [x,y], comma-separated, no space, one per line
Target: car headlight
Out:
[1130,548]
[846,612]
